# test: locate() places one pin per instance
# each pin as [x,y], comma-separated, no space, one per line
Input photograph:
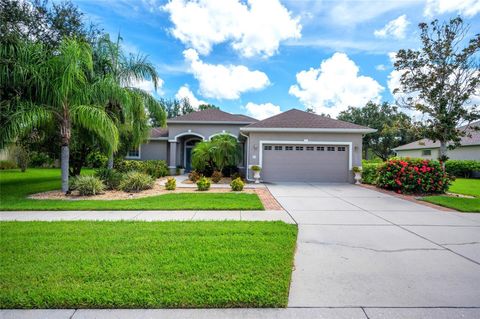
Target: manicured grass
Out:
[145,264]
[462,186]
[15,186]
[466,186]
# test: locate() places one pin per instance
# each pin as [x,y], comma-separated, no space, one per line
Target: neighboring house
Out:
[425,148]
[291,146]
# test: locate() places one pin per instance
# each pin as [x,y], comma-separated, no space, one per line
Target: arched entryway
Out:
[188,145]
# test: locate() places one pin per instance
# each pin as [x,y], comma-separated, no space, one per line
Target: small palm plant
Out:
[59,90]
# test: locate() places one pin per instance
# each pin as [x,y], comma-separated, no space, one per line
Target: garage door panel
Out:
[305,163]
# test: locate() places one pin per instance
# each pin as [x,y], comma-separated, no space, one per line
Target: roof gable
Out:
[212,115]
[296,119]
[472,138]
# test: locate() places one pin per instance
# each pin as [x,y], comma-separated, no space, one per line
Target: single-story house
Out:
[425,148]
[291,146]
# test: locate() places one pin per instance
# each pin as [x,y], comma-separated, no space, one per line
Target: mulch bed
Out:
[410,198]
[268,201]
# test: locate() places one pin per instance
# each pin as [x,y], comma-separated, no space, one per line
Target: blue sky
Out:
[260,57]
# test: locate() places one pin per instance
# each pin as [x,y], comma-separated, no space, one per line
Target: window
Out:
[341,148]
[278,148]
[310,148]
[320,148]
[330,148]
[267,147]
[134,153]
[288,148]
[299,148]
[426,152]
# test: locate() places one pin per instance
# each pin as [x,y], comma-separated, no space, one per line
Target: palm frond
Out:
[97,121]
[28,117]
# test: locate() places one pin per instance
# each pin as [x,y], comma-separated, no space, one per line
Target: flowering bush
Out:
[417,176]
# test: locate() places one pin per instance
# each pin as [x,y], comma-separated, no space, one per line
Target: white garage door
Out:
[305,163]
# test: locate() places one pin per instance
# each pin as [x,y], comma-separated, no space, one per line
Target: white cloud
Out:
[262,111]
[147,86]
[185,92]
[395,28]
[353,12]
[335,86]
[381,67]
[224,81]
[468,8]
[254,28]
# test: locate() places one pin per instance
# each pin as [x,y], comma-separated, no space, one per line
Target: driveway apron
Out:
[361,248]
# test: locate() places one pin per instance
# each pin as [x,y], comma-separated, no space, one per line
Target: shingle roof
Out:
[212,115]
[158,132]
[474,139]
[304,120]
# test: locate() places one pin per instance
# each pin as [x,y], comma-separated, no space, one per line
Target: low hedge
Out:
[154,168]
[370,172]
[462,168]
[5,164]
[415,175]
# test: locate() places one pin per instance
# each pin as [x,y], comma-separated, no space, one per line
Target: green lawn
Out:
[145,264]
[466,186]
[462,186]
[15,186]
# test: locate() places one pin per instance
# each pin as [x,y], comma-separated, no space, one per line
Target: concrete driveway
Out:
[361,248]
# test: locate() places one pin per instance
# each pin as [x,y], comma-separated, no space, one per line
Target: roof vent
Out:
[421,143]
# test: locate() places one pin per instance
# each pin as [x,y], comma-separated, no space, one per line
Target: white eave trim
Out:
[210,122]
[308,130]
[157,138]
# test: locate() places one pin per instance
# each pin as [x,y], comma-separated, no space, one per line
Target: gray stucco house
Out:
[425,148]
[291,146]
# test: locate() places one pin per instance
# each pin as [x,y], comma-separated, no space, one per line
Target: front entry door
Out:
[188,159]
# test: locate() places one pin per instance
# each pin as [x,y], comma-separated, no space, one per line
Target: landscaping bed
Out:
[145,264]
[16,186]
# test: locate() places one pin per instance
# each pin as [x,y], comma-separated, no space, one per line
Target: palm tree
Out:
[226,151]
[202,156]
[222,151]
[130,116]
[58,89]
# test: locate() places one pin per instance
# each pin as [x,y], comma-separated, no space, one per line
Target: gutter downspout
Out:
[247,168]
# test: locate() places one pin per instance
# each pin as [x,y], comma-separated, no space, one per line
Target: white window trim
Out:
[349,144]
[222,132]
[175,139]
[135,157]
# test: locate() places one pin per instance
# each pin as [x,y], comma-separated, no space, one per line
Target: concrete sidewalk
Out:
[186,215]
[288,313]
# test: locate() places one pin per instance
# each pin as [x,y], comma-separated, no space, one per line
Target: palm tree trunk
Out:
[64,159]
[110,161]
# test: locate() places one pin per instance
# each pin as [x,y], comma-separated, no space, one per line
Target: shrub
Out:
[40,159]
[238,175]
[154,168]
[462,168]
[88,185]
[96,159]
[194,176]
[171,184]
[22,157]
[413,176]
[203,184]
[216,176]
[110,177]
[255,168]
[136,181]
[237,185]
[4,164]
[370,173]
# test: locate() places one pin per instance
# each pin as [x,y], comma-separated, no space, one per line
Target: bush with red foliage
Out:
[413,176]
